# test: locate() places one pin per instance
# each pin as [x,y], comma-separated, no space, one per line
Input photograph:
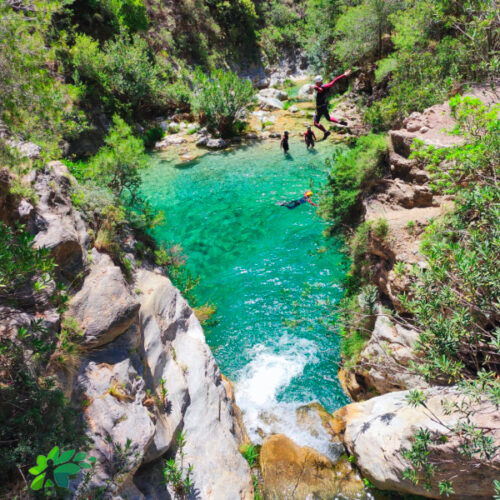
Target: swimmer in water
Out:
[295,203]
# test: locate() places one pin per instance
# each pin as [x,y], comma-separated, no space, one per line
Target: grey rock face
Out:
[175,349]
[104,307]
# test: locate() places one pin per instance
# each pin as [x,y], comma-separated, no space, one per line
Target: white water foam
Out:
[259,385]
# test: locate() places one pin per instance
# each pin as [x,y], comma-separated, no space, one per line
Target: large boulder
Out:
[273,94]
[291,471]
[376,431]
[216,144]
[174,350]
[104,307]
[306,92]
[384,361]
[269,103]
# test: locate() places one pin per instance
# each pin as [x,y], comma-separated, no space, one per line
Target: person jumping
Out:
[284,143]
[309,138]
[322,102]
[295,203]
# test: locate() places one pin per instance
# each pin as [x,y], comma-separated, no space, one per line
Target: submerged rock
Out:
[291,471]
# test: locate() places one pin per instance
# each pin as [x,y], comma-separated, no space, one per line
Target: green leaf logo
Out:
[56,469]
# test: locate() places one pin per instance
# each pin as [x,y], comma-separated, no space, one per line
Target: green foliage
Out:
[456,300]
[177,475]
[474,443]
[221,99]
[360,29]
[125,76]
[34,102]
[33,410]
[250,453]
[437,44]
[353,170]
[380,228]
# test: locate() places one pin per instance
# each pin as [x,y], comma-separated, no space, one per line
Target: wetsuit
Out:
[309,138]
[322,103]
[295,203]
[284,144]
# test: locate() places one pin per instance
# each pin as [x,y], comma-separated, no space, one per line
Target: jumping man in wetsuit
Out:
[309,138]
[322,102]
[284,143]
[295,203]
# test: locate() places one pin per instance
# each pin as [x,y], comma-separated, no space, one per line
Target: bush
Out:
[33,410]
[125,76]
[221,99]
[455,301]
[34,102]
[352,172]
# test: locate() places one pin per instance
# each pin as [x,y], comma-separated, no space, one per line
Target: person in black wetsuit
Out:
[322,102]
[295,203]
[284,143]
[309,138]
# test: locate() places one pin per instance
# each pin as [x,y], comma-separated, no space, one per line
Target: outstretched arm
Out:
[332,83]
[311,202]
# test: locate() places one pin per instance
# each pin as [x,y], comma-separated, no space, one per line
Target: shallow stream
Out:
[269,271]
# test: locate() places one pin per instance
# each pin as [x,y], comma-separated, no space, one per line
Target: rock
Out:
[252,136]
[27,149]
[422,196]
[400,165]
[110,384]
[170,140]
[420,176]
[202,141]
[269,103]
[56,224]
[203,131]
[275,135]
[291,471]
[25,209]
[174,348]
[293,109]
[273,94]
[262,83]
[402,141]
[385,359]
[104,307]
[216,144]
[306,92]
[409,195]
[384,425]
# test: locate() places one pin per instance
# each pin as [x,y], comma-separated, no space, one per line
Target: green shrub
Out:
[33,410]
[34,101]
[353,170]
[152,136]
[220,99]
[381,228]
[455,300]
[250,453]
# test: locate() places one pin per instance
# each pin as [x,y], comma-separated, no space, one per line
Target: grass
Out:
[250,453]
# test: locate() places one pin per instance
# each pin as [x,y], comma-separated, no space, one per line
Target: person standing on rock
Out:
[322,102]
[309,138]
[284,143]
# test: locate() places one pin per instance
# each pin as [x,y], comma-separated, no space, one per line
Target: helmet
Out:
[309,193]
[318,79]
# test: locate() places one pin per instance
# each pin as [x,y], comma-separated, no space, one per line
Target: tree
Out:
[361,28]
[221,99]
[118,164]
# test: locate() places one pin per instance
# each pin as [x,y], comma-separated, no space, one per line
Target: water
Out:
[271,274]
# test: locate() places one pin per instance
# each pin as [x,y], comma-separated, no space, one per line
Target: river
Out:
[272,275]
